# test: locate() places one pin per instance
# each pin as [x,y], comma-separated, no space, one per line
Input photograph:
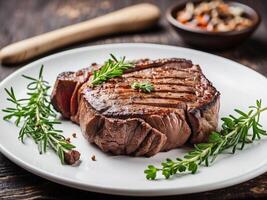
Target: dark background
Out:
[20,19]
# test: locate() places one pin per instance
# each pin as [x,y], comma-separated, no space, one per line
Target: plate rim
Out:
[109,190]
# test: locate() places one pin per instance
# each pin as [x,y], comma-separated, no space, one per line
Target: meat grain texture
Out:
[183,107]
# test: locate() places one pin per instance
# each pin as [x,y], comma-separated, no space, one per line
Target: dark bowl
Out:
[212,40]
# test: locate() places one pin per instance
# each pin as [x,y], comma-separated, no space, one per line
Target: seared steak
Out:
[183,107]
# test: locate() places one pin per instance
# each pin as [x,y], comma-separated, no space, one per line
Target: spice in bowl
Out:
[214,16]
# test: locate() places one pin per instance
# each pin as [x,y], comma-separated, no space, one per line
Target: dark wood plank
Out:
[23,19]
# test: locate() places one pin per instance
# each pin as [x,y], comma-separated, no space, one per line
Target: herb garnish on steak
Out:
[112,68]
[143,86]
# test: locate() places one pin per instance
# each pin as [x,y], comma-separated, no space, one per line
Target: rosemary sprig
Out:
[39,119]
[111,68]
[143,86]
[235,134]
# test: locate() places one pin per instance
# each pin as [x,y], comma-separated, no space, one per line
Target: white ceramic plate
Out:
[239,87]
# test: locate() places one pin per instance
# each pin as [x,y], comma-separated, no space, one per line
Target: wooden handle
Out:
[128,19]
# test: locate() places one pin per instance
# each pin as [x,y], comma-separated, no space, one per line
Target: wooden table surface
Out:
[23,19]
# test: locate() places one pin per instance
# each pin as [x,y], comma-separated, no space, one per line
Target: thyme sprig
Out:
[111,68]
[235,134]
[143,86]
[38,119]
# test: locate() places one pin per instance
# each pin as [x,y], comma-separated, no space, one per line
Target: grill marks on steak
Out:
[184,106]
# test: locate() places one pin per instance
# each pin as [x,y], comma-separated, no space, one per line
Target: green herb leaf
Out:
[111,68]
[38,117]
[235,134]
[143,86]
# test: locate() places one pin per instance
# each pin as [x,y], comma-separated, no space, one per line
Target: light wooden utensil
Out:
[128,19]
